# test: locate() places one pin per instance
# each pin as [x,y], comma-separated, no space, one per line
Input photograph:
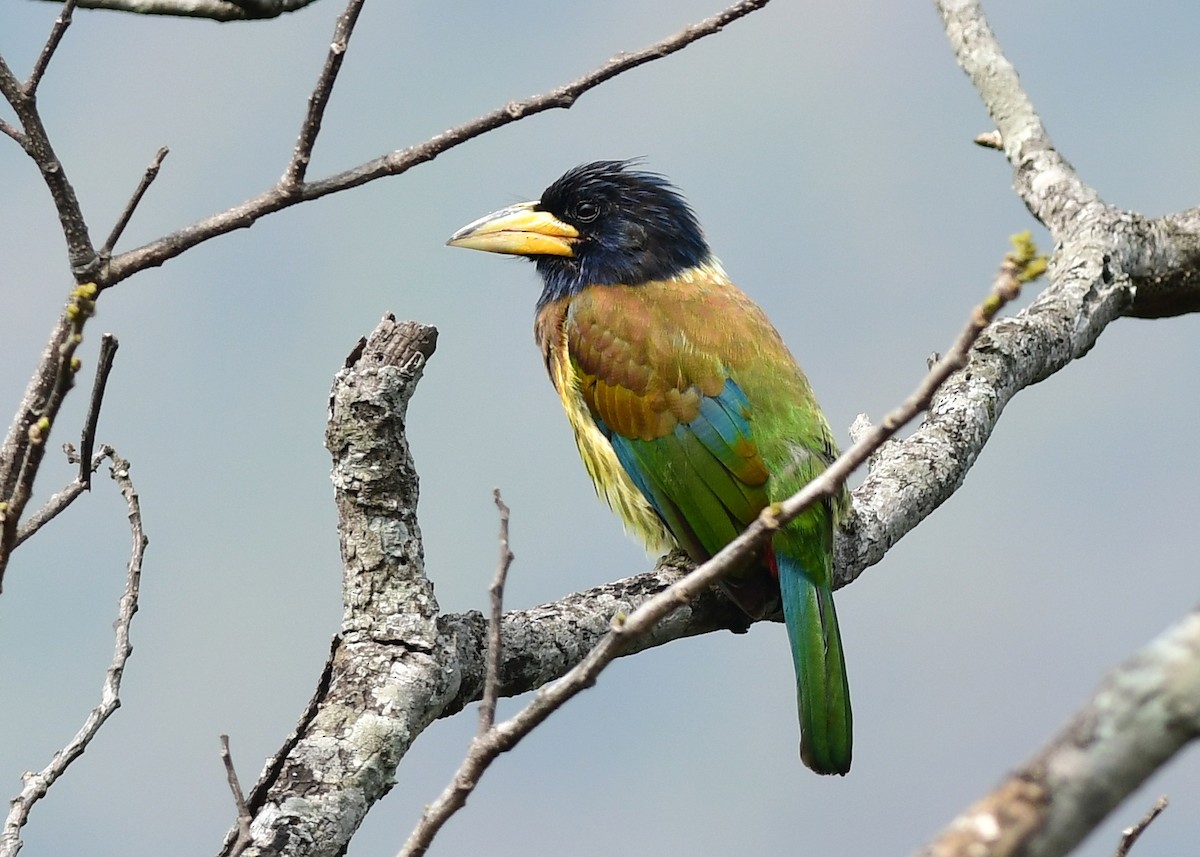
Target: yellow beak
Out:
[519,230]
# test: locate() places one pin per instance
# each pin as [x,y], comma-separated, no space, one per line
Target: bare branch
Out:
[386,657]
[104,363]
[1042,178]
[239,801]
[21,454]
[64,498]
[282,196]
[1018,267]
[10,131]
[216,10]
[123,220]
[82,256]
[319,100]
[495,644]
[1161,256]
[1130,835]
[36,785]
[543,642]
[1141,715]
[25,444]
[43,61]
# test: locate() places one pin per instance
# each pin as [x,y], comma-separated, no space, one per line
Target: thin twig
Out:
[491,682]
[10,131]
[60,27]
[990,140]
[239,801]
[394,163]
[319,99]
[1018,267]
[64,498]
[87,441]
[36,785]
[1130,835]
[144,185]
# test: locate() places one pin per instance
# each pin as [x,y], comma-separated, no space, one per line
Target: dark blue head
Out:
[602,223]
[633,227]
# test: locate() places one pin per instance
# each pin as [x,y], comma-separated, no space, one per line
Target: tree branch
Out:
[87,440]
[130,207]
[59,502]
[43,61]
[216,10]
[239,801]
[25,445]
[384,684]
[495,641]
[1141,716]
[22,452]
[1058,197]
[1130,835]
[36,785]
[293,177]
[285,195]
[36,144]
[1161,257]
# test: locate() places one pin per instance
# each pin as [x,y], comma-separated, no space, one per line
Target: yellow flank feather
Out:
[608,476]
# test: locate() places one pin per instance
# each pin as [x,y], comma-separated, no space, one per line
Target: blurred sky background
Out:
[826,148]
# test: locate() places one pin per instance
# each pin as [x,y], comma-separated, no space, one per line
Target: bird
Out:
[689,411]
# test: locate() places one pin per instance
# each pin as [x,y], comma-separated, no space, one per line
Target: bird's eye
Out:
[586,212]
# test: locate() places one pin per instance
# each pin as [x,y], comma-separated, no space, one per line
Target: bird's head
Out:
[601,223]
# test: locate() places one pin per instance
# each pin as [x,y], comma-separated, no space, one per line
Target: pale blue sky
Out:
[826,149]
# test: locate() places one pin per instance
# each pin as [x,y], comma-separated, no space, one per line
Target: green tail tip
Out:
[827,760]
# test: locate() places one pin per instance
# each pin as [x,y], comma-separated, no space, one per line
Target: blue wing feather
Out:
[695,478]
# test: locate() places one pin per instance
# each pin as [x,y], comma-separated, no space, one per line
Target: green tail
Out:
[822,692]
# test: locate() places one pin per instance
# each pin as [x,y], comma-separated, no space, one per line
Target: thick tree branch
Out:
[1146,710]
[216,10]
[384,683]
[1057,197]
[1141,716]
[542,643]
[1161,257]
